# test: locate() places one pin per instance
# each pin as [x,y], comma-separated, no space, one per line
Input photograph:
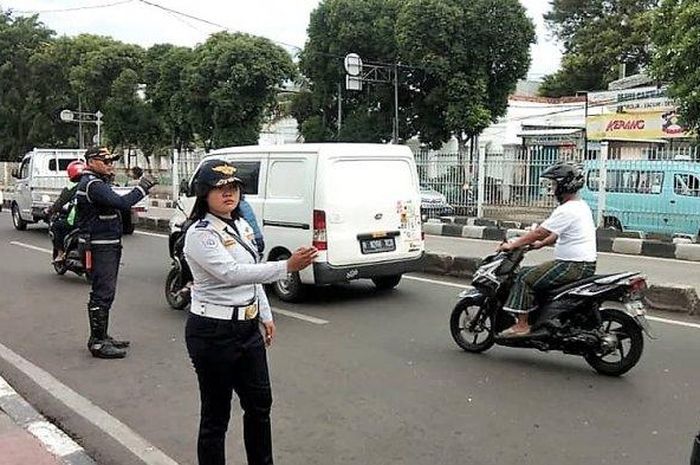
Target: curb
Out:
[665,297]
[52,438]
[626,243]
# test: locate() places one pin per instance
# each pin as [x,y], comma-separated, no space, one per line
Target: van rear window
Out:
[62,164]
[366,181]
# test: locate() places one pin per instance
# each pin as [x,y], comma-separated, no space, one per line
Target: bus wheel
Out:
[613,223]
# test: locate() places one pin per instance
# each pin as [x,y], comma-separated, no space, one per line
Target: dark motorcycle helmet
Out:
[212,174]
[568,179]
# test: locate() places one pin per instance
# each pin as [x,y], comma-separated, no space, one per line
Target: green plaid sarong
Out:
[548,275]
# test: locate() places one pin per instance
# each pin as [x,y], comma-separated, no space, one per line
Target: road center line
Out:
[301,316]
[651,318]
[151,234]
[32,247]
[119,431]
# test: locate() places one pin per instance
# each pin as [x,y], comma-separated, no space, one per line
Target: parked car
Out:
[433,203]
[358,204]
[40,179]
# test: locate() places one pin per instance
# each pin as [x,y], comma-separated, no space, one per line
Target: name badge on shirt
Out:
[229,243]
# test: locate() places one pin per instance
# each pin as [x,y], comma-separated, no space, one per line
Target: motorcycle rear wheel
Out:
[173,284]
[630,344]
[478,340]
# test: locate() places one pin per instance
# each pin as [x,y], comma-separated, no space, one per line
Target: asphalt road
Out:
[380,383]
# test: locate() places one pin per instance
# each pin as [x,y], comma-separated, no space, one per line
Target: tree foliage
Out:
[676,37]
[597,36]
[156,99]
[458,59]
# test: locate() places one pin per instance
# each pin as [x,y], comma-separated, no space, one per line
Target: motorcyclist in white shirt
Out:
[571,227]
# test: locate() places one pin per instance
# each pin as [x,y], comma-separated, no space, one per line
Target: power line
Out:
[206,21]
[77,8]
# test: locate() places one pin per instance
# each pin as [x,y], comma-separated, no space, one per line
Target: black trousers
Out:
[59,230]
[230,356]
[105,269]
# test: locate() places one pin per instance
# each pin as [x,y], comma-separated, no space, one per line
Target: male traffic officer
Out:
[99,211]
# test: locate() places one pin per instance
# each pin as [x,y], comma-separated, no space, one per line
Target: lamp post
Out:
[71,116]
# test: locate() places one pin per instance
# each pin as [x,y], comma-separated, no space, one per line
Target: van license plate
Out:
[378,245]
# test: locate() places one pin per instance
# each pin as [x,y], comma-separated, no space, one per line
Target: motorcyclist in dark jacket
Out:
[59,214]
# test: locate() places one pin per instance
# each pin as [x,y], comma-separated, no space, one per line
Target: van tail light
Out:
[320,240]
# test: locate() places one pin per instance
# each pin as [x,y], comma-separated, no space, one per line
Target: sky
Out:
[280,20]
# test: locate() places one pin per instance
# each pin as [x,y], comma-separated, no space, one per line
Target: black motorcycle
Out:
[78,257]
[600,318]
[178,283]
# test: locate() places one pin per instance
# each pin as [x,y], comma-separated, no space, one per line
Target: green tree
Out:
[232,86]
[597,36]
[22,106]
[336,28]
[676,37]
[166,70]
[468,57]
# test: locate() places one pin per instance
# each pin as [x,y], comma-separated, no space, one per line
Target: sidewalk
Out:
[27,438]
[18,447]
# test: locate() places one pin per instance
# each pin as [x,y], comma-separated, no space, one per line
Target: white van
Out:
[359,204]
[39,181]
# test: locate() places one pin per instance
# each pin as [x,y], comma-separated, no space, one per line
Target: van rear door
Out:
[372,210]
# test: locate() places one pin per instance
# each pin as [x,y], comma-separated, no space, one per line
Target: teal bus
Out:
[651,196]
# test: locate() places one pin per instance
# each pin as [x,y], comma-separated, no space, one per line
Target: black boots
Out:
[100,345]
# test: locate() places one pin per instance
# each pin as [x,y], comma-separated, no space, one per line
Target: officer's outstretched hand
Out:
[147,182]
[301,258]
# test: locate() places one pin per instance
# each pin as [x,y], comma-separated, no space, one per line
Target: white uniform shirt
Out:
[224,271]
[573,223]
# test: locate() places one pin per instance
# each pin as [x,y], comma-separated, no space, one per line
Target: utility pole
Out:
[340,106]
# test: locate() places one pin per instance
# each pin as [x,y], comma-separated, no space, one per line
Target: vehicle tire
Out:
[173,283]
[127,224]
[59,268]
[610,222]
[384,283]
[483,336]
[624,328]
[290,289]
[17,221]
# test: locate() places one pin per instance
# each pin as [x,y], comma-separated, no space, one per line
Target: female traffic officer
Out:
[228,301]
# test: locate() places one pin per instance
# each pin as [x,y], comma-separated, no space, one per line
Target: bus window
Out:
[686,184]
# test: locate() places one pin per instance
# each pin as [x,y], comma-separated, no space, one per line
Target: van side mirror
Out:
[185,188]
[15,173]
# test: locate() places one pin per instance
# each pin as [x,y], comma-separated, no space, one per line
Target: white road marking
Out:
[32,247]
[651,318]
[435,281]
[301,316]
[673,322]
[151,234]
[119,431]
[609,254]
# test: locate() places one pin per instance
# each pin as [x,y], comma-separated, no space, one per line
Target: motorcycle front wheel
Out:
[628,340]
[59,267]
[173,285]
[472,329]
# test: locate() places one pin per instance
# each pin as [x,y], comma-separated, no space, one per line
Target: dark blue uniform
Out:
[99,211]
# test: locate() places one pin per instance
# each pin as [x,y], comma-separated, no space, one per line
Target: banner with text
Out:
[635,126]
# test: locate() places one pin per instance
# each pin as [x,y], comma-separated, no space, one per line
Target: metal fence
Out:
[654,190]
